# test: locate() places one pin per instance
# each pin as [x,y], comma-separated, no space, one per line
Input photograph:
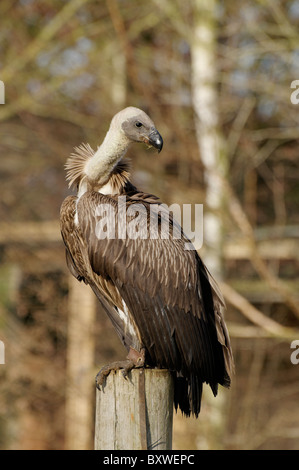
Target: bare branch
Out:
[259,264]
[46,34]
[254,315]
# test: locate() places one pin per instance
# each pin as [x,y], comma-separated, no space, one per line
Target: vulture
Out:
[164,304]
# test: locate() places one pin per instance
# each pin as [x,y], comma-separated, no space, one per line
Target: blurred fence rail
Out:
[282,245]
[43,241]
[235,247]
[30,232]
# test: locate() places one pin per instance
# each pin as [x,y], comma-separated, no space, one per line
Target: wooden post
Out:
[135,414]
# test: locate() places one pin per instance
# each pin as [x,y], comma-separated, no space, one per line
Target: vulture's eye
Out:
[138,124]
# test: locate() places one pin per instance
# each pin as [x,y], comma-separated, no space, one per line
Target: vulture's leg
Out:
[134,359]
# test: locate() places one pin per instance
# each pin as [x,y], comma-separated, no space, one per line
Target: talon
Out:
[130,365]
[98,382]
[134,359]
[105,371]
[101,375]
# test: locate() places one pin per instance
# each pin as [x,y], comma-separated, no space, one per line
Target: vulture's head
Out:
[138,127]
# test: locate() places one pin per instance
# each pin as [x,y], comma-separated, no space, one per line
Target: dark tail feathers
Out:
[187,395]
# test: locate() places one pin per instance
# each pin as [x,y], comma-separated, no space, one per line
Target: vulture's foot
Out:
[134,359]
[126,366]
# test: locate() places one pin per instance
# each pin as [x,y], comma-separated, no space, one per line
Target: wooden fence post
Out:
[136,413]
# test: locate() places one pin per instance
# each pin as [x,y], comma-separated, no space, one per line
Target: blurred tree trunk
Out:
[212,154]
[80,387]
[210,142]
[118,84]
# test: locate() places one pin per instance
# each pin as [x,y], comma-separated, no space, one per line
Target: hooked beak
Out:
[155,139]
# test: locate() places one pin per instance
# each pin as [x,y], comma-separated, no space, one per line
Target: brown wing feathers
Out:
[157,294]
[168,294]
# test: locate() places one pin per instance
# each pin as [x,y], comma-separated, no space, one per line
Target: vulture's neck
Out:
[88,169]
[100,166]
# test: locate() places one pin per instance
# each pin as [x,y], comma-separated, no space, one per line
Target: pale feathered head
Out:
[129,125]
